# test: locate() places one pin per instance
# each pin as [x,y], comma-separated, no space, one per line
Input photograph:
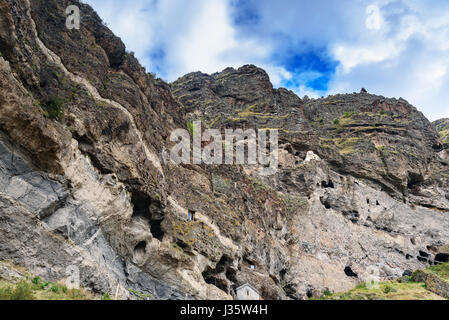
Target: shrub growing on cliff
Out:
[106,296]
[54,108]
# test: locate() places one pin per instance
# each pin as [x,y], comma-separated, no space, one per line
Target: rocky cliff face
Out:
[83,181]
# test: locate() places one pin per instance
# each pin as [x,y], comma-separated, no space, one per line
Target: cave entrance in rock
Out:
[221,274]
[149,210]
[442,258]
[327,184]
[348,271]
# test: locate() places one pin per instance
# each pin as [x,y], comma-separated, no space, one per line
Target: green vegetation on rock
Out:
[54,108]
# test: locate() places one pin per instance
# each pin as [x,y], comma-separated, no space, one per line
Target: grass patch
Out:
[23,290]
[106,296]
[386,291]
[36,289]
[442,270]
[393,290]
[345,146]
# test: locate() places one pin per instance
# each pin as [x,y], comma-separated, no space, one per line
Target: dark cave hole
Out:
[325,202]
[442,258]
[282,274]
[150,211]
[329,184]
[212,276]
[223,264]
[231,275]
[219,283]
[421,259]
[156,230]
[141,204]
[309,293]
[414,180]
[423,254]
[182,244]
[350,273]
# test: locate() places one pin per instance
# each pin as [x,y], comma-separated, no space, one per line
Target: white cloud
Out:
[408,59]
[210,43]
[350,55]
[374,19]
[303,91]
[277,74]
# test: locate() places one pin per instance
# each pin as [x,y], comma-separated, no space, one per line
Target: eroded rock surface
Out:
[362,180]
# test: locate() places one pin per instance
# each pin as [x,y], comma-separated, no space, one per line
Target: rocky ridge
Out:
[83,181]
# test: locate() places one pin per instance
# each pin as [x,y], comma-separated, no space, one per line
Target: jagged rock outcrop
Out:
[362,180]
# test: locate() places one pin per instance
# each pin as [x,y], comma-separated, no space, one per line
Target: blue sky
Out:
[396,48]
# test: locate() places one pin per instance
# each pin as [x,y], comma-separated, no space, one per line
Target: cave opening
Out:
[441,258]
[329,184]
[309,293]
[215,275]
[414,180]
[422,259]
[350,273]
[325,202]
[149,210]
[156,229]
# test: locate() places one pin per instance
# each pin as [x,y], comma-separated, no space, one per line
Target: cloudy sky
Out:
[397,48]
